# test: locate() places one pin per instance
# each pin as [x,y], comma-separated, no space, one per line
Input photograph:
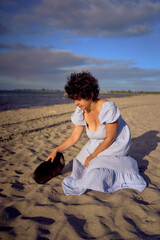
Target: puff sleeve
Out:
[109,113]
[77,117]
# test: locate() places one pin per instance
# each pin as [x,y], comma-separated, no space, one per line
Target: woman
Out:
[103,164]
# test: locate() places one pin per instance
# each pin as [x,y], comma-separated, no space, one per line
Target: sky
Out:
[43,41]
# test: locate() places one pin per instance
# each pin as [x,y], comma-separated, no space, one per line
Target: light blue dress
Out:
[113,168]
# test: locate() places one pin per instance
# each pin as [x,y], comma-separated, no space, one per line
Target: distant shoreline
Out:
[101,92]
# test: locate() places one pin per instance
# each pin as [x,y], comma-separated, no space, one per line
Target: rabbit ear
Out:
[62,160]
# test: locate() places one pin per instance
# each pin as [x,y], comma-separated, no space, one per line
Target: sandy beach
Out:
[30,211]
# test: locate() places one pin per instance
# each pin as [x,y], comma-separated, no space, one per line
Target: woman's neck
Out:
[94,106]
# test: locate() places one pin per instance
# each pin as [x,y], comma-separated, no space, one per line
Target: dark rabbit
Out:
[47,170]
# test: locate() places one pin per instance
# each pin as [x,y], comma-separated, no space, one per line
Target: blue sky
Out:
[43,41]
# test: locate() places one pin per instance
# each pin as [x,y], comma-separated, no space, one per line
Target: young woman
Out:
[103,164]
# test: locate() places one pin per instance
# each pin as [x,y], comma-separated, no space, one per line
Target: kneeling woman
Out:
[103,164]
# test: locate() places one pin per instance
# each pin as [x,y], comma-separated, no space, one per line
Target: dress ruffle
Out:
[109,113]
[102,180]
[77,117]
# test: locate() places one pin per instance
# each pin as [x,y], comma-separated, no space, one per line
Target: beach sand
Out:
[30,211]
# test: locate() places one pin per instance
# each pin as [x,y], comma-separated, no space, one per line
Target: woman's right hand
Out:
[52,155]
[69,142]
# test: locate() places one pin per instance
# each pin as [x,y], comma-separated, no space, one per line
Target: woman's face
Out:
[83,103]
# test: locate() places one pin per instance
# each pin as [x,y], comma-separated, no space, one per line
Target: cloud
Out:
[95,18]
[68,40]
[21,46]
[44,67]
[32,62]
[14,47]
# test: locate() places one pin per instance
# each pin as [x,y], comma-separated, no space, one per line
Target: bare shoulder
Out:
[101,101]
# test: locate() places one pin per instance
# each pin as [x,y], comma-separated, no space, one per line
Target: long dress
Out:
[113,168]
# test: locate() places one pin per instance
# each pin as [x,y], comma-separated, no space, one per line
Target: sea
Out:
[26,99]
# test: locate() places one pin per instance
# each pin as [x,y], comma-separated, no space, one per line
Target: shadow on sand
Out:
[141,147]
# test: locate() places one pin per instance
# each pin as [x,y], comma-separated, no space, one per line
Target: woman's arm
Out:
[111,130]
[69,142]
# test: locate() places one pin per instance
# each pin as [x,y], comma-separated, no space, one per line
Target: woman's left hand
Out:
[88,159]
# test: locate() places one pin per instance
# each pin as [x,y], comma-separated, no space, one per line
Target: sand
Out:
[30,211]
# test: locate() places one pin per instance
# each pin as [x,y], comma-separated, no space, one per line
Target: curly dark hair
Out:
[82,86]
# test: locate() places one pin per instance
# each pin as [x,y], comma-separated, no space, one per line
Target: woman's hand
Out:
[52,155]
[88,159]
[69,142]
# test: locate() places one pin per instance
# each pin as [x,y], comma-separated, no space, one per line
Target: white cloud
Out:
[43,67]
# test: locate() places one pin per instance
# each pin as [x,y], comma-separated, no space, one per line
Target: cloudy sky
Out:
[43,41]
